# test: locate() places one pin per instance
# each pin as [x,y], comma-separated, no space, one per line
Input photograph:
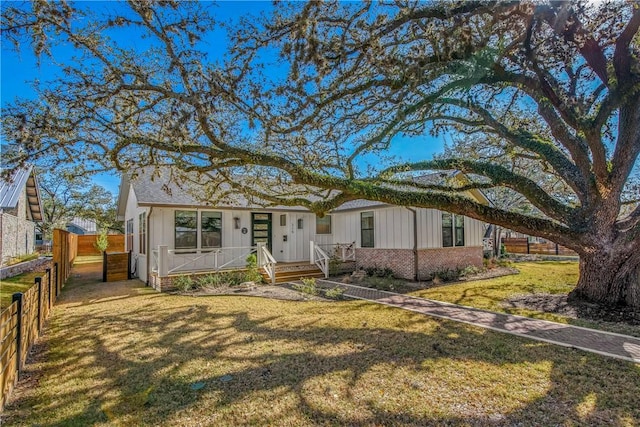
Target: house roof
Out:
[156,188]
[89,226]
[11,188]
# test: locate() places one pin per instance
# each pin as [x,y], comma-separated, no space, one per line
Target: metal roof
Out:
[11,188]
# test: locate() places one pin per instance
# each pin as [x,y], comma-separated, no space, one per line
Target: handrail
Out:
[267,261]
[320,258]
[341,251]
[203,259]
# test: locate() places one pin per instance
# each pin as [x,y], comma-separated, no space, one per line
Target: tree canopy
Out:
[68,194]
[303,94]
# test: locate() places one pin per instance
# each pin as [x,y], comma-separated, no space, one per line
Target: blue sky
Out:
[20,70]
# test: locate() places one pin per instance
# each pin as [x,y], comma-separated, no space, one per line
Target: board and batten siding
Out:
[296,248]
[393,228]
[133,211]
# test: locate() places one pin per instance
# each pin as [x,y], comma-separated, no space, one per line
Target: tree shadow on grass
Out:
[156,359]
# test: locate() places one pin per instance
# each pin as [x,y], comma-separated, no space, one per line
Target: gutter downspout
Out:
[416,275]
[148,244]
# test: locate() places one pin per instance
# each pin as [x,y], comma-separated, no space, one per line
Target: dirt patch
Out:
[560,304]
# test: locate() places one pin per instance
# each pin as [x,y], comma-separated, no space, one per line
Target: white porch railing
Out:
[319,257]
[340,251]
[167,261]
[267,261]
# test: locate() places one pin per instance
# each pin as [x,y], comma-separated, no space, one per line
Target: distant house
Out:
[82,226]
[169,231]
[20,209]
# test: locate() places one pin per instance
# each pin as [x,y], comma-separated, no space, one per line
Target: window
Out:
[323,225]
[366,229]
[452,230]
[130,234]
[459,230]
[186,229]
[447,231]
[142,233]
[211,230]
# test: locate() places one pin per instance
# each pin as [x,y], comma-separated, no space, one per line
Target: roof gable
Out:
[11,188]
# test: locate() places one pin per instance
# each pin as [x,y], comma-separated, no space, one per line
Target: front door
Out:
[261,229]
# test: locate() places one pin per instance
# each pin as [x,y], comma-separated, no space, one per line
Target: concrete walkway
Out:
[605,343]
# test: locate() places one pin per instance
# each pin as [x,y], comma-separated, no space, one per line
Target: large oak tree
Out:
[303,95]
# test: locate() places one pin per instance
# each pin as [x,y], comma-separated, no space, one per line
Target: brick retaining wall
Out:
[25,267]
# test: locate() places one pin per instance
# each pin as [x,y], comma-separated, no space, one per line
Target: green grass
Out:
[122,354]
[14,284]
[549,277]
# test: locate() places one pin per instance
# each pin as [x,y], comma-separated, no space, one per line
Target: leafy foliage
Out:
[550,87]
[308,286]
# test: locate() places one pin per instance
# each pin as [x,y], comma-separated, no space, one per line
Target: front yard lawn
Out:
[548,277]
[19,283]
[122,354]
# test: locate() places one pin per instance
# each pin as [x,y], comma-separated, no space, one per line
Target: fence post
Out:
[528,246]
[312,254]
[38,281]
[104,266]
[18,297]
[48,271]
[56,267]
[556,249]
[129,265]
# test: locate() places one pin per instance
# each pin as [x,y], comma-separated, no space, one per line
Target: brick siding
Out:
[401,261]
[432,260]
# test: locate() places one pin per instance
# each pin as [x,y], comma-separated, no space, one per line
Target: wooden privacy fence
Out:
[522,245]
[20,326]
[65,249]
[87,244]
[116,266]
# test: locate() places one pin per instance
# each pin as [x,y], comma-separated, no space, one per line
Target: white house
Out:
[20,209]
[170,232]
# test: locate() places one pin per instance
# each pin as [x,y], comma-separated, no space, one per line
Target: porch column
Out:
[312,258]
[163,261]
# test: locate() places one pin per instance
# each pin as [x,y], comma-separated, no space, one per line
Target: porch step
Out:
[283,276]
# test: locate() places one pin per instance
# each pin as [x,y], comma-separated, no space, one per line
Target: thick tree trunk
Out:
[610,278]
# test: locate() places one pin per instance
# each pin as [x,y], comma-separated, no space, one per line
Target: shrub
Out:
[504,263]
[379,272]
[447,275]
[252,274]
[102,241]
[334,266]
[213,280]
[381,283]
[308,286]
[469,270]
[233,278]
[335,293]
[183,283]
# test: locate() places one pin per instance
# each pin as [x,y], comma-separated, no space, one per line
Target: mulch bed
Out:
[560,304]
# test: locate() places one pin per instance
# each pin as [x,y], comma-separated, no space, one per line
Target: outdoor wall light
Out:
[300,224]
[236,223]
